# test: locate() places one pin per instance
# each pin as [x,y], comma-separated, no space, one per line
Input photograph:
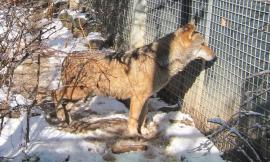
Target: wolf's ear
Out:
[188,30]
[192,22]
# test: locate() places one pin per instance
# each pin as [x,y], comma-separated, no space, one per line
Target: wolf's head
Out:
[193,42]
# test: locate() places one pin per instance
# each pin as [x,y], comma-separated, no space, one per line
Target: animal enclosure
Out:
[239,80]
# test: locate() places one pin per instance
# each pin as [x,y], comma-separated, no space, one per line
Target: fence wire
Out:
[238,32]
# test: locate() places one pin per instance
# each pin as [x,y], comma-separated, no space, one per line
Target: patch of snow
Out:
[61,39]
[166,117]
[57,1]
[11,139]
[185,141]
[137,157]
[18,100]
[94,35]
[95,118]
[14,99]
[3,70]
[188,143]
[3,93]
[105,105]
[156,104]
[48,143]
[74,13]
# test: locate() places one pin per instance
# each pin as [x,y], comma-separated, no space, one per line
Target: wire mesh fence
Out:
[237,31]
[115,17]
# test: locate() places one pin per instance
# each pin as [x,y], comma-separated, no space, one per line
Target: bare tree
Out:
[21,34]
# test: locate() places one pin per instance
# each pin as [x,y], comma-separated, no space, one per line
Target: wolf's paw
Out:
[131,132]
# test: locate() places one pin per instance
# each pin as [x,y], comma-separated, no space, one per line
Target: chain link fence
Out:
[238,32]
[115,17]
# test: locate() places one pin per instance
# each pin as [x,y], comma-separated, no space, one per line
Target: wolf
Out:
[133,75]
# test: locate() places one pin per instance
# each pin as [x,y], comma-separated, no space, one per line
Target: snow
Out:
[48,143]
[103,105]
[74,14]
[14,100]
[188,142]
[156,104]
[56,1]
[136,157]
[61,39]
[94,35]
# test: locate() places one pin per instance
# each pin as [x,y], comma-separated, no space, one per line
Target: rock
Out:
[95,44]
[66,20]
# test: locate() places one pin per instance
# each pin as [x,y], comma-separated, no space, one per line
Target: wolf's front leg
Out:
[136,105]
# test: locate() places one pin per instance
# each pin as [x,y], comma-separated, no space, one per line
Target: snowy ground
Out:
[177,139]
[61,39]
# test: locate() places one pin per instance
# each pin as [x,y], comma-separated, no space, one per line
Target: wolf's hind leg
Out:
[143,117]
[136,105]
